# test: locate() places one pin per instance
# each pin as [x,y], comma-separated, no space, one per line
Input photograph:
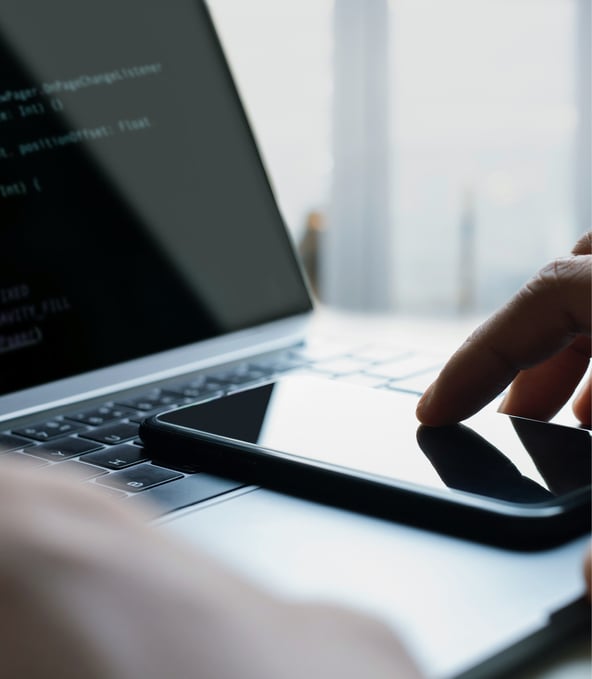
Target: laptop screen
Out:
[135,215]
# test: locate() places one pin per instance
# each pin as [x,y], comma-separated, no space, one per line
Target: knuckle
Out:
[556,274]
[584,245]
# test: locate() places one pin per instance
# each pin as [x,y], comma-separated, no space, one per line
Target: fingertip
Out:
[584,244]
[422,411]
[582,404]
[513,401]
[503,406]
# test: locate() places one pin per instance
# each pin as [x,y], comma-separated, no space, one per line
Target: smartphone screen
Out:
[375,433]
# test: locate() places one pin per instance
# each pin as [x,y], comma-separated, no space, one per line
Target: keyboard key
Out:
[199,388]
[45,431]
[139,478]
[185,467]
[113,434]
[379,353]
[63,449]
[363,380]
[341,366]
[184,492]
[320,350]
[156,398]
[240,376]
[117,457]
[277,365]
[10,442]
[78,470]
[417,384]
[101,415]
[309,371]
[406,366]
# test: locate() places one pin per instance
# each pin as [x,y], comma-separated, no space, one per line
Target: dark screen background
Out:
[135,215]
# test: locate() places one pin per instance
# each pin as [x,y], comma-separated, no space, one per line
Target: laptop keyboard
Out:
[99,444]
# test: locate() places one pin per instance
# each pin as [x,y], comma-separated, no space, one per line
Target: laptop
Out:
[145,265]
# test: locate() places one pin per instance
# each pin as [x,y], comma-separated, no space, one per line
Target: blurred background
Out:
[428,155]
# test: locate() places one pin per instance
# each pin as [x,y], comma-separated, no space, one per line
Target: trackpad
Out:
[454,602]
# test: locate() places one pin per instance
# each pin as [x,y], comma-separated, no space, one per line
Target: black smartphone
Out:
[514,482]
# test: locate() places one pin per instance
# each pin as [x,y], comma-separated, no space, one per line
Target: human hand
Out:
[89,589]
[539,341]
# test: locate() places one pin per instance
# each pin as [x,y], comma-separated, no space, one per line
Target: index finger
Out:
[544,318]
